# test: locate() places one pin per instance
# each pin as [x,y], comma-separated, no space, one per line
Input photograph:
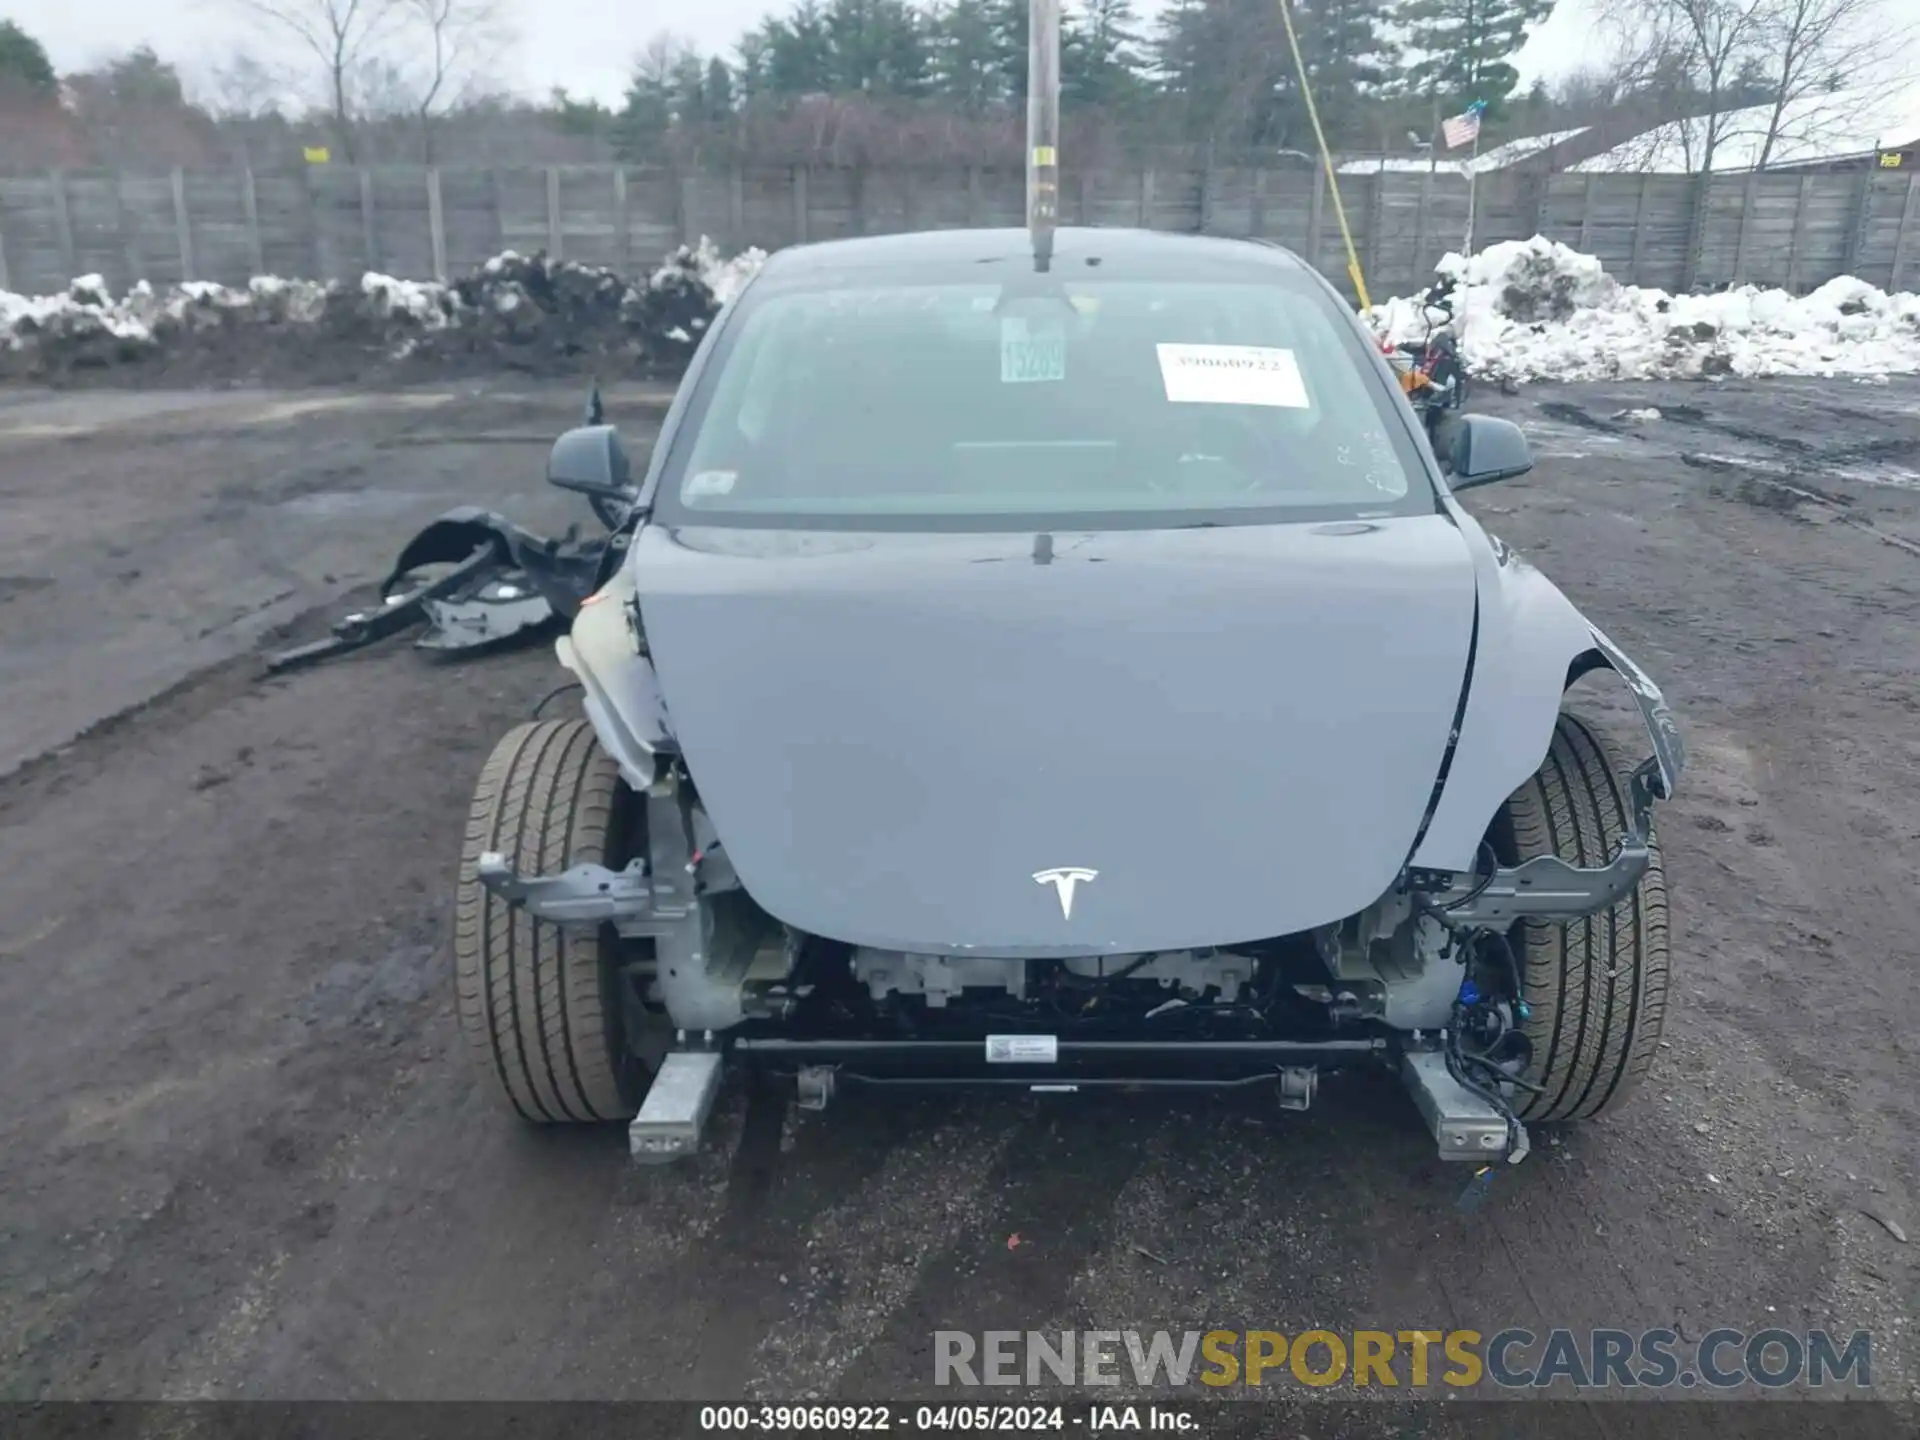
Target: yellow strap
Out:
[1326,159]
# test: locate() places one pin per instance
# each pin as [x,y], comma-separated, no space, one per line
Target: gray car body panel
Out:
[1531,644]
[829,740]
[1237,728]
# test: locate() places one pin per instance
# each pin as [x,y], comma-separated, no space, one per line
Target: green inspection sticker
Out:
[1030,353]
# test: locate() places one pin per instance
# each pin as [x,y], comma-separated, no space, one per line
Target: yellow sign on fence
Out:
[319,155]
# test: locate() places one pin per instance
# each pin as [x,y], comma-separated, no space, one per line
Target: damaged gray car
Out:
[1063,676]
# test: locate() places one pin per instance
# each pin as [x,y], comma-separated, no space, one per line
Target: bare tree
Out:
[381,90]
[1701,46]
[243,87]
[1765,73]
[1808,45]
[459,41]
[340,35]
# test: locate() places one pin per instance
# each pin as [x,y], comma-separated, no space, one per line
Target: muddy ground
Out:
[242,1155]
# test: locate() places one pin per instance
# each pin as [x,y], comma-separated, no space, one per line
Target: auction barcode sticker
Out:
[1022,1049]
[1232,375]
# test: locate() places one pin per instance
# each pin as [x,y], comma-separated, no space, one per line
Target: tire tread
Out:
[1597,985]
[533,998]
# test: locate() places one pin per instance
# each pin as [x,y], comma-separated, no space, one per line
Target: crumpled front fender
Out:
[1530,644]
[1669,746]
[621,692]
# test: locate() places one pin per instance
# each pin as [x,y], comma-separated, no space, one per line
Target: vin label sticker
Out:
[1022,1049]
[1030,353]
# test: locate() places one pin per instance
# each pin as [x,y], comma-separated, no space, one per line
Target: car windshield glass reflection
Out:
[1164,403]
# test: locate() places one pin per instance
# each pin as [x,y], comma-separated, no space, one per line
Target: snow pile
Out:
[725,278]
[525,312]
[1537,310]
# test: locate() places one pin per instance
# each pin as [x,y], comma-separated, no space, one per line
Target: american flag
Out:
[1464,128]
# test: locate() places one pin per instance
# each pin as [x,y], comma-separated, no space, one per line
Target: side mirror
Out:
[1480,449]
[591,460]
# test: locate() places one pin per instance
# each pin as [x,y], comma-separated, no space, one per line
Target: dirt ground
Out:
[243,1155]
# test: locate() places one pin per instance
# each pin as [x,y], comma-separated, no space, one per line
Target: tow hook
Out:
[816,1086]
[1297,1086]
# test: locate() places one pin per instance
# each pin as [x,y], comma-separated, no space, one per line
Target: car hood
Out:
[1235,730]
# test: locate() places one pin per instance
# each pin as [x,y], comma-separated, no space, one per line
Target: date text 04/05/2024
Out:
[815,1419]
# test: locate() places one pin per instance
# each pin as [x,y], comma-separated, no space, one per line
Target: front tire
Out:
[540,1004]
[1597,985]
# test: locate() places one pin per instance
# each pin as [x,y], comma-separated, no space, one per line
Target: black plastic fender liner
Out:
[451,539]
[397,612]
[501,582]
[564,571]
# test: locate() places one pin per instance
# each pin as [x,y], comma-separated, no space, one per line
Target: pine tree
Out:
[1224,65]
[1350,60]
[716,91]
[750,66]
[689,86]
[876,47]
[968,59]
[1009,22]
[1099,63]
[1462,48]
[24,65]
[799,56]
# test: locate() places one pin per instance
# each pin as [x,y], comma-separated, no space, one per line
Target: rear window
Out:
[1092,404]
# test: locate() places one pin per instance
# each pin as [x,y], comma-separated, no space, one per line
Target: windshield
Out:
[1089,404]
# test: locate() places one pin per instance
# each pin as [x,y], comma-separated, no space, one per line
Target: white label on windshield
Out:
[1232,375]
[1028,353]
[708,482]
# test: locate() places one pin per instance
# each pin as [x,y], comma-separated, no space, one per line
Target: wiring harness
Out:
[1486,1045]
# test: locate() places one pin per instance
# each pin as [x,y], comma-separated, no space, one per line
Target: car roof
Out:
[1116,253]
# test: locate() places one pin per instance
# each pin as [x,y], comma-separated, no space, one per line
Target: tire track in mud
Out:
[212,525]
[1058,1171]
[1786,493]
[1783,485]
[1155,1213]
[863,1256]
[190,1051]
[183,703]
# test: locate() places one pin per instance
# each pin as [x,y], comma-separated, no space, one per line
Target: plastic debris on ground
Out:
[1538,310]
[514,310]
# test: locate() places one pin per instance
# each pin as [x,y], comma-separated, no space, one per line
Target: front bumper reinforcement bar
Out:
[585,894]
[1550,887]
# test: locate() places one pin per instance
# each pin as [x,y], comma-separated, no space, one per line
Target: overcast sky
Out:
[585,45]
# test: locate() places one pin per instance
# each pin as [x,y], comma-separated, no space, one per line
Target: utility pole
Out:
[1043,127]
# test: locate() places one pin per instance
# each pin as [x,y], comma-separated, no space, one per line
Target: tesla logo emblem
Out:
[1063,879]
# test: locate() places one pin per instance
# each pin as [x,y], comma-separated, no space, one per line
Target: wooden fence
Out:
[1670,231]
